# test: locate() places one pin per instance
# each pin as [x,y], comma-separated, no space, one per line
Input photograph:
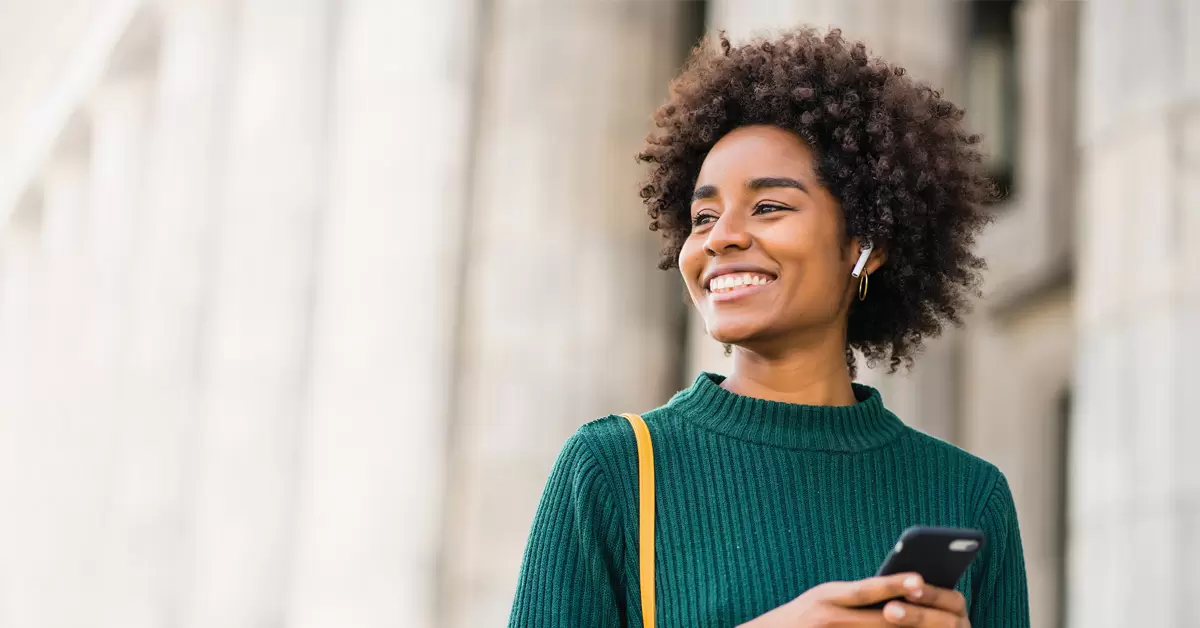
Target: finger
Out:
[903,614]
[870,590]
[836,616]
[947,600]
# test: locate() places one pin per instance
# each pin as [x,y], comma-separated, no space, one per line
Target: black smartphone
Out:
[940,555]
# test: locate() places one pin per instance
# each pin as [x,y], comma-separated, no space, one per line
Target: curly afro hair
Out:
[892,151]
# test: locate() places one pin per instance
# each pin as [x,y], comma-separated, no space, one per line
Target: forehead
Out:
[756,151]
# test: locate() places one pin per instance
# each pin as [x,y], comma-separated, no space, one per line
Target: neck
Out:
[812,374]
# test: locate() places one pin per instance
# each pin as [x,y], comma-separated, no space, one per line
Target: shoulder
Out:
[979,480]
[582,472]
[613,434]
[605,432]
[609,444]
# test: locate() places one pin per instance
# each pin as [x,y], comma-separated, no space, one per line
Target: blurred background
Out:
[300,298]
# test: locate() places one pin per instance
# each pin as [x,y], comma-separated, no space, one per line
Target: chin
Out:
[734,334]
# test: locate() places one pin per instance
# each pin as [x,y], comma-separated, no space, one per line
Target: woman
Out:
[782,487]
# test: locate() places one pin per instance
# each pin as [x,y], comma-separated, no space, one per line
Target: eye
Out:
[703,218]
[767,208]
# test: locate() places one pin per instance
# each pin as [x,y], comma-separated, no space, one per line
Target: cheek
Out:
[691,263]
[812,266]
[822,282]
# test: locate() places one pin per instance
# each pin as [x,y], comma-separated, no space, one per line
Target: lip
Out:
[735,294]
[730,269]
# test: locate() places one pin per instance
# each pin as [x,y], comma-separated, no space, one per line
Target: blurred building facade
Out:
[298,300]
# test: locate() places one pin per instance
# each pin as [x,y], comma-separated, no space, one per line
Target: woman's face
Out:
[766,260]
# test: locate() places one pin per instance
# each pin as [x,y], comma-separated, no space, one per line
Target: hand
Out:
[928,606]
[839,604]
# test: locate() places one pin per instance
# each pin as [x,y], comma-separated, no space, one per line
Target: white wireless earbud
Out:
[862,261]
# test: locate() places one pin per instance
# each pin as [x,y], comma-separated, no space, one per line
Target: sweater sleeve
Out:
[1001,598]
[570,575]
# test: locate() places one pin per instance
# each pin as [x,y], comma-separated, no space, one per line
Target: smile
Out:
[734,285]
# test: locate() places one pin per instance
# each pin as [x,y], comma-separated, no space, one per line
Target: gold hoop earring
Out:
[862,286]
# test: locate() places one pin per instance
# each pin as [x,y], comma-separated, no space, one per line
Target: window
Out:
[991,85]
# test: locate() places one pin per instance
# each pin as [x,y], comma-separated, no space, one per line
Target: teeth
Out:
[725,283]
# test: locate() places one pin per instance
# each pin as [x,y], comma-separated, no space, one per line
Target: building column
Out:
[60,485]
[566,317]
[1135,476]
[373,479]
[119,113]
[257,340]
[22,313]
[159,398]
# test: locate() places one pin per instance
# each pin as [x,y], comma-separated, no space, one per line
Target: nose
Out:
[727,234]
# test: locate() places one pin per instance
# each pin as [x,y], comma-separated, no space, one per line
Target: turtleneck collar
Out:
[861,426]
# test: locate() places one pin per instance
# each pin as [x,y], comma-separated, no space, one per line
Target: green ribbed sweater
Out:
[757,501]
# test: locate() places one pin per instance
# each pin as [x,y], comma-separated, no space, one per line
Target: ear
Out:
[875,259]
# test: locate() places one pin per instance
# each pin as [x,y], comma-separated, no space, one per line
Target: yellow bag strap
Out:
[645,451]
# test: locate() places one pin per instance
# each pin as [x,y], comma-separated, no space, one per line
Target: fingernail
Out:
[917,593]
[896,611]
[912,582]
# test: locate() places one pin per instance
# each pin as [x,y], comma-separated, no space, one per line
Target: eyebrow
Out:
[763,183]
[760,183]
[704,191]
